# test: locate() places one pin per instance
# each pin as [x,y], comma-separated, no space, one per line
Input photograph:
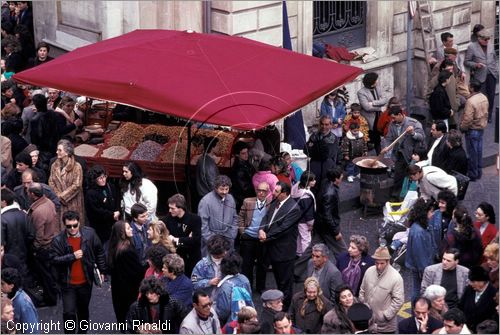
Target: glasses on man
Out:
[261,191]
[208,304]
[72,226]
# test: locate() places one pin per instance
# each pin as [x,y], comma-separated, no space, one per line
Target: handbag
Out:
[97,276]
[462,183]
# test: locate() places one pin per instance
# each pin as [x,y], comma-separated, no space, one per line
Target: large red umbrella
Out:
[218,79]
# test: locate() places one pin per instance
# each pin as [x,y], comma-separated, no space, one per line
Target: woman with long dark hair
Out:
[137,189]
[101,202]
[485,222]
[440,220]
[420,249]
[463,236]
[125,269]
[336,320]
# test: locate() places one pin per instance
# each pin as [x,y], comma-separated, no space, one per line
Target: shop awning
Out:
[218,79]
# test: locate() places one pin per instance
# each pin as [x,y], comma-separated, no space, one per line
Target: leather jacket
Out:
[62,255]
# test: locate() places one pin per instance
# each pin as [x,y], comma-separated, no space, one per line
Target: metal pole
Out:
[409,63]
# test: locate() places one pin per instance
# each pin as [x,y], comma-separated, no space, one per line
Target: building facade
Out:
[381,25]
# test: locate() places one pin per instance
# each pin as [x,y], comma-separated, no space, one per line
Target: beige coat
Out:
[66,181]
[385,295]
[6,154]
[475,113]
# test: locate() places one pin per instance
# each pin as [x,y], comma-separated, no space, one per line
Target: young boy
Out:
[355,117]
[353,146]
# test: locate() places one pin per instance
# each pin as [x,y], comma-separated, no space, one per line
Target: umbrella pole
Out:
[187,167]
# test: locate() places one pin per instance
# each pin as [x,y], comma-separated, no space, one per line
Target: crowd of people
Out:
[67,227]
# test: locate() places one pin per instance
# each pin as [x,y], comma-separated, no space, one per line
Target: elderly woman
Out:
[66,179]
[309,307]
[101,202]
[137,189]
[336,320]
[353,263]
[485,222]
[456,159]
[177,284]
[436,295]
[491,263]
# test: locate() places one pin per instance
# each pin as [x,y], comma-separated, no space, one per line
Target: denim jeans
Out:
[474,145]
[352,169]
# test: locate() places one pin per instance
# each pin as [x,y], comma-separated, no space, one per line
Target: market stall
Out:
[160,150]
[204,78]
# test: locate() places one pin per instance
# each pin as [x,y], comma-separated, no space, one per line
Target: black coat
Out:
[456,160]
[100,205]
[440,154]
[408,326]
[282,233]
[327,219]
[126,275]
[63,257]
[188,230]
[45,132]
[439,104]
[267,321]
[16,233]
[171,310]
[241,177]
[482,310]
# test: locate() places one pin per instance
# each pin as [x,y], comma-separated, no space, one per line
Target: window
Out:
[340,23]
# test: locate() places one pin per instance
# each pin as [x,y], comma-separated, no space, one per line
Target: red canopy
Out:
[218,79]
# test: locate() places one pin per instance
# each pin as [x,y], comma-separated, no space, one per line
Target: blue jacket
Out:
[180,288]
[203,272]
[140,248]
[338,113]
[419,250]
[24,311]
[436,230]
[223,295]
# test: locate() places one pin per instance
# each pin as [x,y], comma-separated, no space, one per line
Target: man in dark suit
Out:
[438,150]
[324,270]
[420,322]
[278,231]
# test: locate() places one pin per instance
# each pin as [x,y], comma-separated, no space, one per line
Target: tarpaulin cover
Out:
[218,79]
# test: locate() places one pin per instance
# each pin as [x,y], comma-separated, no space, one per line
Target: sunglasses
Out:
[208,304]
[72,226]
[261,190]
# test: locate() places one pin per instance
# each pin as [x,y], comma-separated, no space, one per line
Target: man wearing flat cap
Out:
[482,62]
[382,289]
[478,301]
[272,300]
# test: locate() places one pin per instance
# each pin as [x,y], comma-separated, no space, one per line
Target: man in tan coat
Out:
[382,289]
[473,122]
[43,218]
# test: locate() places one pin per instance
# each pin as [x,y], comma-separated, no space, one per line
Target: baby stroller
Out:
[394,232]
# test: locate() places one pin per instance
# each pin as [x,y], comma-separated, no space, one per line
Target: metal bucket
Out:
[375,184]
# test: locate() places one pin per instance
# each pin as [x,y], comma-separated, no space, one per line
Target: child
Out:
[356,117]
[307,204]
[353,146]
[295,170]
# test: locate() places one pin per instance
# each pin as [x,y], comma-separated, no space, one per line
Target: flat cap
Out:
[270,295]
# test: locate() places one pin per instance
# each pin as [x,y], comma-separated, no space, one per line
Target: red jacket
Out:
[489,233]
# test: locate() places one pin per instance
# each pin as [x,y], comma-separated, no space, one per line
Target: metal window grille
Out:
[340,23]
